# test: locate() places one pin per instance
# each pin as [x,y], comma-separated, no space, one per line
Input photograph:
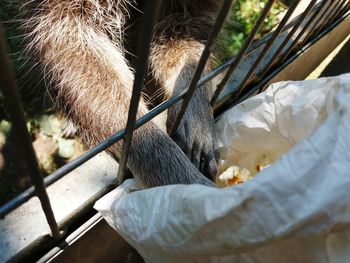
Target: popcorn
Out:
[234,175]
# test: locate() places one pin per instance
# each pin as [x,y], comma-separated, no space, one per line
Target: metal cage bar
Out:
[316,26]
[220,19]
[346,9]
[14,110]
[149,20]
[320,19]
[243,50]
[134,124]
[279,51]
[337,12]
[268,46]
[262,84]
[317,17]
[295,42]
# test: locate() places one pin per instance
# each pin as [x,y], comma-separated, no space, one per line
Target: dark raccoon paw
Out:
[195,138]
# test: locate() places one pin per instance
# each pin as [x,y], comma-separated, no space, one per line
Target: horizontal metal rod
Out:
[62,171]
[59,173]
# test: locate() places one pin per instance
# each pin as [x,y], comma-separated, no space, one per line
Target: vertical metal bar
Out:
[243,50]
[317,17]
[289,37]
[267,47]
[295,42]
[318,25]
[338,12]
[329,16]
[220,19]
[346,9]
[14,109]
[149,20]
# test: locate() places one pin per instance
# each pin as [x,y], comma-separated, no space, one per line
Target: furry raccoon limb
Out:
[79,43]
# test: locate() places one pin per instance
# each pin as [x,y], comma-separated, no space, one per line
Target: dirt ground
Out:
[52,151]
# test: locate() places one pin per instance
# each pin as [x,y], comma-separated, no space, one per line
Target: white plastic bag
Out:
[296,210]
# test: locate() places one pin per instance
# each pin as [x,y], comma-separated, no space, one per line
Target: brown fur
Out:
[81,46]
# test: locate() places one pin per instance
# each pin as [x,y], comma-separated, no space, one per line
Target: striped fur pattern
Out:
[83,49]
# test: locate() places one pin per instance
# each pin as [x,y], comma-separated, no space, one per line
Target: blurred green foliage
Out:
[244,15]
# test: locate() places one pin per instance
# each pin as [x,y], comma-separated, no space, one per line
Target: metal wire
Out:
[243,50]
[346,8]
[324,16]
[263,83]
[14,110]
[149,20]
[317,17]
[268,46]
[225,8]
[290,36]
[295,42]
[22,198]
[337,12]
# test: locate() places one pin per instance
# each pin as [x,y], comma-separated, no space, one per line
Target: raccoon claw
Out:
[204,159]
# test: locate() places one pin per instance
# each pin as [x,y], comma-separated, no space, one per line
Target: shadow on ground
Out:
[340,64]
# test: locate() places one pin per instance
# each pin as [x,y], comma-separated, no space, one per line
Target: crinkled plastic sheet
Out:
[296,210]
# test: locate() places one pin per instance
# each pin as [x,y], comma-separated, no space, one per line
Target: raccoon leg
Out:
[92,85]
[173,64]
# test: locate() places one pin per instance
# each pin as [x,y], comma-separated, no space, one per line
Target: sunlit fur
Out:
[82,49]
